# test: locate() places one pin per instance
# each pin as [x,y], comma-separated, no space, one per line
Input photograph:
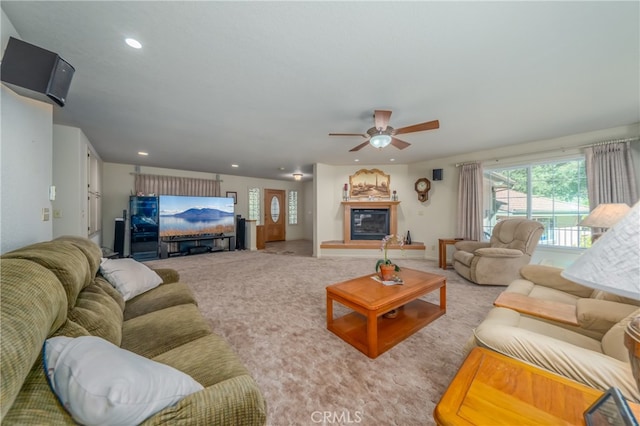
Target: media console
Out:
[177,246]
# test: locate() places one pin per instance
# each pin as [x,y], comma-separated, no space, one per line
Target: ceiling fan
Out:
[382,134]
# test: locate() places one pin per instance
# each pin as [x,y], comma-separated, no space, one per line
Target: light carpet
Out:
[271,308]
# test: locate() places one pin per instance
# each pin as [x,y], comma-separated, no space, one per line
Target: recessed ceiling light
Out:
[392,159]
[234,165]
[144,154]
[133,43]
[281,168]
[356,160]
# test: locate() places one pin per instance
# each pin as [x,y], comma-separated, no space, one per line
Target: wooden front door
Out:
[275,210]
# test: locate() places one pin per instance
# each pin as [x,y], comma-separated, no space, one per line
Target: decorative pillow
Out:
[129,277]
[99,383]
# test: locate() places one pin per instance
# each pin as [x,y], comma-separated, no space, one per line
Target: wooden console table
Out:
[493,389]
[547,309]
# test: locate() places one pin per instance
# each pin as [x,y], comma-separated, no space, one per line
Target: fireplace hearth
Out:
[349,247]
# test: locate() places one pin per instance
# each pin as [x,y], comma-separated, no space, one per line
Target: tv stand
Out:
[179,246]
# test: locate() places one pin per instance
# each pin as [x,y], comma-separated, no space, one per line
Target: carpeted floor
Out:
[270,305]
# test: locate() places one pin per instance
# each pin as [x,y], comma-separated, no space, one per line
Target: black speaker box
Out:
[36,69]
[240,233]
[118,240]
[437,174]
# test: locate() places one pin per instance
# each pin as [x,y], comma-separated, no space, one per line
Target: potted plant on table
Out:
[385,266]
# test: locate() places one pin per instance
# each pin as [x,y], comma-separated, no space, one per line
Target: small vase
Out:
[408,239]
[387,272]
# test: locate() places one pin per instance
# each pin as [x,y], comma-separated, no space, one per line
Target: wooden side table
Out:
[442,250]
[493,389]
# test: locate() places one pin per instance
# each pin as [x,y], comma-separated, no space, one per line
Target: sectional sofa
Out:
[591,352]
[156,347]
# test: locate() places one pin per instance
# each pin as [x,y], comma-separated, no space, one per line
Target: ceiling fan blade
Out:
[429,125]
[348,134]
[398,143]
[381,118]
[359,147]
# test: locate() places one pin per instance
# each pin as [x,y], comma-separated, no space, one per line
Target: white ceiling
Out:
[261,84]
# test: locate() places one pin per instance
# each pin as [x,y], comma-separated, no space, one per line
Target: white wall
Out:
[441,209]
[320,217]
[70,179]
[436,218]
[305,210]
[118,185]
[25,164]
[329,198]
[412,214]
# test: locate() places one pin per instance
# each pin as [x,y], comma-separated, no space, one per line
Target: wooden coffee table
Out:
[366,329]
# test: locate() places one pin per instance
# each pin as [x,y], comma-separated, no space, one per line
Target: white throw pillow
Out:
[129,276]
[99,383]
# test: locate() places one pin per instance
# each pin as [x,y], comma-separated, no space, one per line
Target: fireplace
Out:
[368,247]
[372,221]
[369,224]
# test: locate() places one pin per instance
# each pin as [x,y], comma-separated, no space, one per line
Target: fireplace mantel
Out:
[378,204]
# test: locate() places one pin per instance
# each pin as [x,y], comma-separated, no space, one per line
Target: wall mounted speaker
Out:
[437,174]
[25,66]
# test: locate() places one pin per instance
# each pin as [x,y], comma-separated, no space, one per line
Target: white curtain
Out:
[610,174]
[470,202]
[172,185]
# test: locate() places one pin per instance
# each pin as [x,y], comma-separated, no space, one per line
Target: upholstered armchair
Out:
[498,261]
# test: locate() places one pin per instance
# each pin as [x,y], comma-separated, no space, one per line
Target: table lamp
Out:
[604,216]
[613,263]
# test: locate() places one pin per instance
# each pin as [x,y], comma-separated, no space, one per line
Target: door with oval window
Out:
[274,212]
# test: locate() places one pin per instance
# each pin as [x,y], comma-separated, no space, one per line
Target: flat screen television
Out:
[185,216]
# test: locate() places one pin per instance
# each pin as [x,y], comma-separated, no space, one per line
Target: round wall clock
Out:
[423,185]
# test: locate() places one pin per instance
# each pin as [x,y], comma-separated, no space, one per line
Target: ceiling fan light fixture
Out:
[380,141]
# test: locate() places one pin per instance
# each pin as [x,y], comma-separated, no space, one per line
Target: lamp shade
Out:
[612,264]
[605,215]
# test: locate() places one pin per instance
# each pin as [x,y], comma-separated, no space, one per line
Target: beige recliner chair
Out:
[498,261]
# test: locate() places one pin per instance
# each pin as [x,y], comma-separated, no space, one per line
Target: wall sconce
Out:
[297,176]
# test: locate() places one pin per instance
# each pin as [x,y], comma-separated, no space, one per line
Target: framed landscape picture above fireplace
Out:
[371,183]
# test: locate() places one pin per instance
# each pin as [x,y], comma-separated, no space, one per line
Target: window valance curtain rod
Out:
[561,149]
[466,162]
[217,179]
[636,139]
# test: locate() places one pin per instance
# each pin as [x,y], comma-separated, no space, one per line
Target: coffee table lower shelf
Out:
[413,316]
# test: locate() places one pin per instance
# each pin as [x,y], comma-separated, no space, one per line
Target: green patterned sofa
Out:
[54,288]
